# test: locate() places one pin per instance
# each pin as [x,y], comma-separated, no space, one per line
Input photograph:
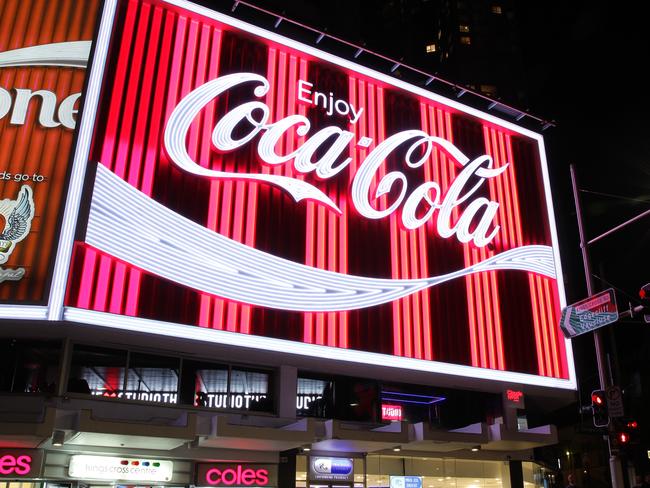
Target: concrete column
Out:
[516,474]
[287,469]
[286,391]
[64,367]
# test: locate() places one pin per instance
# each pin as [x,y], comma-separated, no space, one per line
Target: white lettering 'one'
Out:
[48,114]
[418,205]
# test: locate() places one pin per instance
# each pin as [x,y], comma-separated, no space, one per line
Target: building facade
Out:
[232,259]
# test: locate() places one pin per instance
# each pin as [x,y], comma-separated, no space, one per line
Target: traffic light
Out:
[599,408]
[632,429]
[625,434]
[644,293]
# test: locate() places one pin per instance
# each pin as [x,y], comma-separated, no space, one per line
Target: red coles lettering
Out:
[238,475]
[19,465]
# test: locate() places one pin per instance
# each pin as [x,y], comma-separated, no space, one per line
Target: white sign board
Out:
[589,314]
[615,401]
[119,468]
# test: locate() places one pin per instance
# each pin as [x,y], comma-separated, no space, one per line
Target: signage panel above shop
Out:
[331,469]
[120,469]
[235,474]
[405,482]
[391,412]
[314,204]
[21,463]
[514,399]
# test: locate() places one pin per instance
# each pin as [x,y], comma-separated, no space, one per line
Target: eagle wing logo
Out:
[18,215]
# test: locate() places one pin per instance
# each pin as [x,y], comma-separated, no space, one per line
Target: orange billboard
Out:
[44,50]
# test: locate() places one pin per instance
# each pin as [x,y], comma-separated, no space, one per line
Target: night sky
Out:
[583,71]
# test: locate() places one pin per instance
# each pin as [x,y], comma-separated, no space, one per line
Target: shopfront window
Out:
[114,373]
[132,375]
[438,472]
[340,397]
[415,404]
[152,378]
[303,479]
[249,390]
[312,396]
[21,484]
[29,366]
[97,371]
[204,384]
[212,385]
[536,476]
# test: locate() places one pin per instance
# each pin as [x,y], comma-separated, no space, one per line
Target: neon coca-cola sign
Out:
[236,266]
[476,220]
[330,205]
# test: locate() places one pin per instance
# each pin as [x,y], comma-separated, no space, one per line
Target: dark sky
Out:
[583,64]
[583,69]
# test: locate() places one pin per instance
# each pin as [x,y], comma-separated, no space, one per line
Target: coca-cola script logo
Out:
[219,265]
[475,223]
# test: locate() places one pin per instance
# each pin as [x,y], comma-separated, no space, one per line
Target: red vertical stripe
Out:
[89,281]
[499,145]
[122,159]
[152,154]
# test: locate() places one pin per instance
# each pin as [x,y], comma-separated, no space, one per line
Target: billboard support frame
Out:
[80,161]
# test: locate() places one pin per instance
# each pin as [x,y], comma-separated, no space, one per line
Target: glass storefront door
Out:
[435,473]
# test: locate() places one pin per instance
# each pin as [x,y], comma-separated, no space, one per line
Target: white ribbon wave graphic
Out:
[129,225]
[73,54]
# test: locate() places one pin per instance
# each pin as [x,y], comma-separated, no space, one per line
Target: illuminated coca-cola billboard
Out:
[255,191]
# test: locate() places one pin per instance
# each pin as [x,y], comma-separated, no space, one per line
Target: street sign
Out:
[615,402]
[589,314]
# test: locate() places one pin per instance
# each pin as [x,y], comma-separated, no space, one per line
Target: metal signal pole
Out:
[615,467]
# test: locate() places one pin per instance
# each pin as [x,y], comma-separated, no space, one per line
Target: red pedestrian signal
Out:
[644,293]
[632,430]
[599,408]
[625,433]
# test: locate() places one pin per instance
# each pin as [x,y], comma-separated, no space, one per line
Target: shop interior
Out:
[435,472]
